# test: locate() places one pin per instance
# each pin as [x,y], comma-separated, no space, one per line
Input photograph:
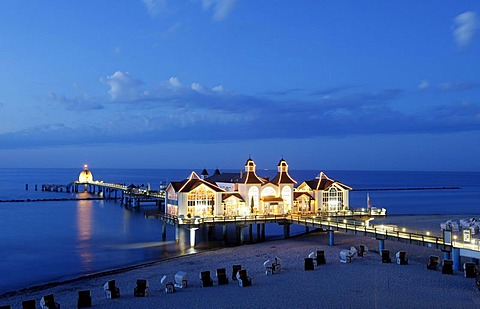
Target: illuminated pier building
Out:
[246,193]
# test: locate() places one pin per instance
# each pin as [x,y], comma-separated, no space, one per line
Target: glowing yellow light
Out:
[344,221]
[403,230]
[428,233]
[454,236]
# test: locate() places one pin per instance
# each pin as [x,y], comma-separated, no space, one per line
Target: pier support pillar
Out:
[164,230]
[381,245]
[307,229]
[177,234]
[250,232]
[456,259]
[224,233]
[331,237]
[263,231]
[286,231]
[192,237]
[239,234]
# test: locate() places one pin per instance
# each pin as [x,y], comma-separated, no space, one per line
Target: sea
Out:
[55,241]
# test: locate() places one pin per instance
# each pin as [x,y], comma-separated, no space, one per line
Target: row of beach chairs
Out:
[141,289]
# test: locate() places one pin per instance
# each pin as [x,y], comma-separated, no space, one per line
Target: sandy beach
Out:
[363,283]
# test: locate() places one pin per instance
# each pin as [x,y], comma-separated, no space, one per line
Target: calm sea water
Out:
[52,241]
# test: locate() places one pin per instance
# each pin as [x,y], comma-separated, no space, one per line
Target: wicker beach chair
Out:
[308,265]
[235,269]
[111,291]
[222,276]
[84,299]
[29,304]
[447,267]
[181,280]
[477,278]
[243,279]
[5,307]
[141,290]
[401,257]
[433,261]
[206,279]
[48,302]
[169,287]
[469,270]
[320,257]
[362,250]
[386,256]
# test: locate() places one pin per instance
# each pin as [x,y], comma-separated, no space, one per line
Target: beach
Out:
[366,282]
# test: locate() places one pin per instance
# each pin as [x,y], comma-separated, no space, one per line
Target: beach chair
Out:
[29,304]
[469,270]
[277,265]
[362,250]
[346,255]
[141,290]
[235,269]
[111,291]
[6,307]
[222,276]
[432,262]
[386,256]
[268,267]
[243,279]
[84,299]
[320,257]
[309,264]
[206,279]
[447,267]
[181,280]
[477,278]
[169,287]
[48,302]
[401,257]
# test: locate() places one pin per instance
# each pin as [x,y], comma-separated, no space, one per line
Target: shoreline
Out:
[363,283]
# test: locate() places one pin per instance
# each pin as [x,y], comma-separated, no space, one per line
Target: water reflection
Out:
[84,232]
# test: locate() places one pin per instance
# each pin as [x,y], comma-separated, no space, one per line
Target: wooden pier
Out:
[128,195]
[450,246]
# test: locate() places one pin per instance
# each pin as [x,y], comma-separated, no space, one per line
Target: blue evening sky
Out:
[352,85]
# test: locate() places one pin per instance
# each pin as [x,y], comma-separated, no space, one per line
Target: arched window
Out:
[268,191]
[253,196]
[287,198]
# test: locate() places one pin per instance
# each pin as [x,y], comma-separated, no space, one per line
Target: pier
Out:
[451,247]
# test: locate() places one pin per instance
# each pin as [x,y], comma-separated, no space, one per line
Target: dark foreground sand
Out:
[364,283]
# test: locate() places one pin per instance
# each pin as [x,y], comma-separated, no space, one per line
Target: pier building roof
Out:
[282,175]
[322,182]
[193,182]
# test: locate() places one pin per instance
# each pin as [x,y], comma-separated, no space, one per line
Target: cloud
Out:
[423,85]
[122,86]
[465,29]
[221,8]
[457,86]
[155,7]
[81,103]
[173,110]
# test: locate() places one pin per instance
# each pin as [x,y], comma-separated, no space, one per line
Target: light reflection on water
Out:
[84,228]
